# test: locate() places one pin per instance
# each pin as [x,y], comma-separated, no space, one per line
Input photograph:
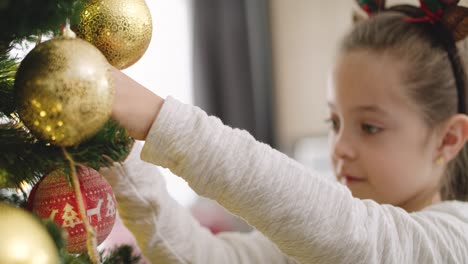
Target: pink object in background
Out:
[217,219]
[119,236]
[210,215]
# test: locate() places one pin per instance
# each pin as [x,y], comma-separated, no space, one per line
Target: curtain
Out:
[232,63]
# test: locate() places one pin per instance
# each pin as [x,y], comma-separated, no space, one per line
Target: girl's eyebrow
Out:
[363,108]
[369,108]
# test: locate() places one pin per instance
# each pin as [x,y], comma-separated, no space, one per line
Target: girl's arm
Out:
[310,218]
[166,232]
[135,107]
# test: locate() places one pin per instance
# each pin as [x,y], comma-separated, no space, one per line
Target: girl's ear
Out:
[454,136]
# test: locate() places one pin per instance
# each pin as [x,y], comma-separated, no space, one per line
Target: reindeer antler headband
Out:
[450,25]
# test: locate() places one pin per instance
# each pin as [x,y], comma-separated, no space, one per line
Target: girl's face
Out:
[380,146]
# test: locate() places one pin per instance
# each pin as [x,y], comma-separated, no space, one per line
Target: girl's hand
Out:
[135,107]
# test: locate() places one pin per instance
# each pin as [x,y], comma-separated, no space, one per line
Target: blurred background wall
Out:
[261,65]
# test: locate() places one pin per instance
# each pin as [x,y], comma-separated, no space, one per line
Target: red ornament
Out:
[53,197]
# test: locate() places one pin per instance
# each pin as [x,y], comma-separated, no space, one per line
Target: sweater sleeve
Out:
[310,218]
[167,233]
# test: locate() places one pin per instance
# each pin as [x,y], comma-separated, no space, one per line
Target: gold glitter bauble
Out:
[120,29]
[23,239]
[65,90]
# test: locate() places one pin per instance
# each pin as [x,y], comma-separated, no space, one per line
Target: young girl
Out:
[398,132]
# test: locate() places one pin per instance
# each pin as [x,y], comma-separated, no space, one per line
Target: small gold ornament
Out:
[23,239]
[120,29]
[65,90]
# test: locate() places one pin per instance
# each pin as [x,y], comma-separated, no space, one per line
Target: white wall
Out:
[165,67]
[305,34]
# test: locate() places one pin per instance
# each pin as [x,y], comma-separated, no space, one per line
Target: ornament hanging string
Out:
[66,30]
[91,241]
[39,39]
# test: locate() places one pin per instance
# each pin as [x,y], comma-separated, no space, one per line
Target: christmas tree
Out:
[47,144]
[70,217]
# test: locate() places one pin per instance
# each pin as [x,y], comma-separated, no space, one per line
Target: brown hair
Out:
[429,76]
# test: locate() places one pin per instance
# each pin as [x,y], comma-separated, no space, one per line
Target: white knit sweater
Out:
[308,218]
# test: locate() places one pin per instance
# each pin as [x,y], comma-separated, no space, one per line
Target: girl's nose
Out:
[342,147]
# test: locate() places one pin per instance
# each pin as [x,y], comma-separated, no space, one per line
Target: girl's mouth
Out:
[348,179]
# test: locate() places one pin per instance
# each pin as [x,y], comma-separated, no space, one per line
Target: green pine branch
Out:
[16,199]
[119,255]
[8,67]
[24,158]
[20,19]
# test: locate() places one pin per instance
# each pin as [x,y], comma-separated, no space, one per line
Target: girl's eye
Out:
[370,129]
[333,123]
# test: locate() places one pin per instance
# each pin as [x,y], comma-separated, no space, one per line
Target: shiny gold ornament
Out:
[65,90]
[23,239]
[120,29]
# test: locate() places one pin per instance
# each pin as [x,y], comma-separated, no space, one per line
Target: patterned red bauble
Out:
[53,197]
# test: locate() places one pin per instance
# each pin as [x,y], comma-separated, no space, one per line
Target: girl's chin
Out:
[360,193]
